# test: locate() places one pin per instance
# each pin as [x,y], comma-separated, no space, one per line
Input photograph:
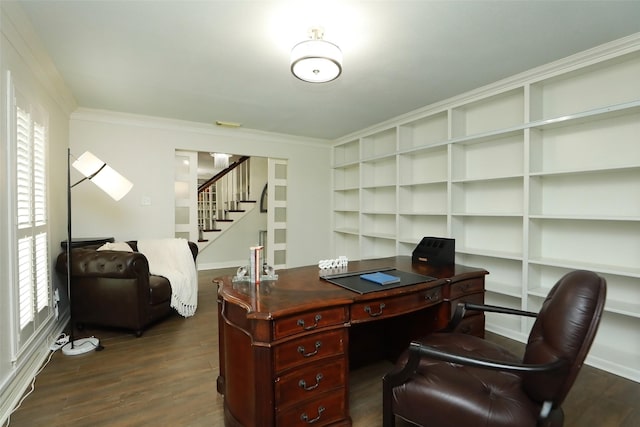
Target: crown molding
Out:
[130,119]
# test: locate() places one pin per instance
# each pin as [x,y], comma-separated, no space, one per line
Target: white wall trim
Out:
[218,265]
[113,117]
[591,360]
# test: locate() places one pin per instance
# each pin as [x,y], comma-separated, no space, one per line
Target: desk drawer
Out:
[309,348]
[473,321]
[477,298]
[386,307]
[464,287]
[309,321]
[310,381]
[325,410]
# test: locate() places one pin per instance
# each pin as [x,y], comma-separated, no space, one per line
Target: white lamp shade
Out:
[316,61]
[110,181]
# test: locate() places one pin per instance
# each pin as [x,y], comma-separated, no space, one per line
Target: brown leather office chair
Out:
[450,379]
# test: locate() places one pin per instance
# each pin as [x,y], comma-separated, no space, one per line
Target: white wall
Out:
[33,73]
[231,249]
[142,149]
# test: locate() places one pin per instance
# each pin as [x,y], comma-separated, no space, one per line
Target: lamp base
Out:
[80,346]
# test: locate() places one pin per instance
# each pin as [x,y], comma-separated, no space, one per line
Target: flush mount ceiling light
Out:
[228,124]
[316,60]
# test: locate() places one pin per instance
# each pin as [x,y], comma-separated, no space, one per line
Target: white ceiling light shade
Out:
[316,60]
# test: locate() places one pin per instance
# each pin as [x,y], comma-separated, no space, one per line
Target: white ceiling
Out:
[229,60]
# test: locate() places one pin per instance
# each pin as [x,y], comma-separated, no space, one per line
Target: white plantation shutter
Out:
[39,176]
[25,281]
[23,167]
[41,259]
[31,221]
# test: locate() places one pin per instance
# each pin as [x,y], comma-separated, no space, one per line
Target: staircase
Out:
[223,201]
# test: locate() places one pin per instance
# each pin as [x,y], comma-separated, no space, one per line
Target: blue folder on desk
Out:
[380,278]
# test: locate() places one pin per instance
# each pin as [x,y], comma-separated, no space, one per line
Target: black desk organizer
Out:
[435,251]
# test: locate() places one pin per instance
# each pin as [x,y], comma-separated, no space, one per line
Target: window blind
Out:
[32,269]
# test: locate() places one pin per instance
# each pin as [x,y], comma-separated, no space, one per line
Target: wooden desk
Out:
[286,346]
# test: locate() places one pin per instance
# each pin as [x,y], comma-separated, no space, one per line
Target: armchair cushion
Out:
[158,291]
[490,395]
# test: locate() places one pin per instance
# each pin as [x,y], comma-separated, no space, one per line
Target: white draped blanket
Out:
[172,258]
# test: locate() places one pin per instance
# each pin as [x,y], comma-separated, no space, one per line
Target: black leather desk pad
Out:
[352,281]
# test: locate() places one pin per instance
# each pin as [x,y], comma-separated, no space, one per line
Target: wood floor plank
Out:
[167,377]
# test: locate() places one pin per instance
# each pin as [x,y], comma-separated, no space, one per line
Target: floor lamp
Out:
[116,186]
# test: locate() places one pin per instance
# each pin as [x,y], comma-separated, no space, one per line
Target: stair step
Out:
[222,225]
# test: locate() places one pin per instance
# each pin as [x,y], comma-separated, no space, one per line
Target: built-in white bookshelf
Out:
[534,176]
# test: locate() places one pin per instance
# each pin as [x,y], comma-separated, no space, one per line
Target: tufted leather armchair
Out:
[115,289]
[450,379]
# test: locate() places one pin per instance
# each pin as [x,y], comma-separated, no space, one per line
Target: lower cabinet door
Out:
[310,381]
[324,410]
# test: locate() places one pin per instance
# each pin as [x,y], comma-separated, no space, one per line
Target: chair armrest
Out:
[111,264]
[419,351]
[463,307]
[193,247]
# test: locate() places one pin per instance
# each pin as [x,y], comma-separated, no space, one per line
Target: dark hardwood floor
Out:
[168,378]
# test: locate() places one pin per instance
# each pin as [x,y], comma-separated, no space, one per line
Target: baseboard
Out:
[507,333]
[217,265]
[593,359]
[20,380]
[602,362]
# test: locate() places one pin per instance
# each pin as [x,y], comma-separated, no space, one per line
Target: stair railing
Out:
[222,194]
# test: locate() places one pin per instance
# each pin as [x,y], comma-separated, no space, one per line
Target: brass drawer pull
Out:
[367,310]
[434,296]
[308,328]
[313,353]
[303,383]
[304,417]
